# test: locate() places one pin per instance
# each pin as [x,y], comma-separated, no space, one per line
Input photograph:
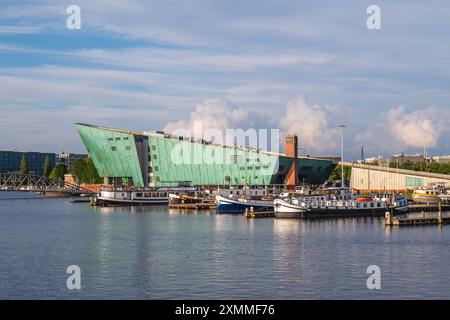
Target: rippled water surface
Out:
[154,252]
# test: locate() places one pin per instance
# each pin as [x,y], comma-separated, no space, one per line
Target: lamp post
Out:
[342,126]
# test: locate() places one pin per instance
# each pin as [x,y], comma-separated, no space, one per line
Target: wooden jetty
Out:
[389,220]
[428,208]
[258,214]
[193,206]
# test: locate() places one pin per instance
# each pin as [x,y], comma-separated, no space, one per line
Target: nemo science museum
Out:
[157,159]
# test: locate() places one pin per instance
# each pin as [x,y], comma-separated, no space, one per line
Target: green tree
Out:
[409,165]
[47,167]
[336,173]
[91,172]
[23,166]
[78,170]
[58,172]
[84,171]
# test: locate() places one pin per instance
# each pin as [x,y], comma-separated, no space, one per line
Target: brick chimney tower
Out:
[291,150]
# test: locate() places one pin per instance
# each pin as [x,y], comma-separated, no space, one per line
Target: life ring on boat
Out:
[364,199]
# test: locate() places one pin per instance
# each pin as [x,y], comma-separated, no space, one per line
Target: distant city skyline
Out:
[299,66]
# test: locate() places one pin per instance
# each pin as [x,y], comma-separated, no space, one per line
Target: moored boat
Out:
[401,205]
[427,196]
[233,204]
[339,203]
[289,208]
[295,205]
[132,198]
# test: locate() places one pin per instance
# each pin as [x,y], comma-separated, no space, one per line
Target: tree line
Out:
[442,168]
[82,170]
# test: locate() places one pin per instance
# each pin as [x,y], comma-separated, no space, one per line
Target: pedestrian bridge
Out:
[34,183]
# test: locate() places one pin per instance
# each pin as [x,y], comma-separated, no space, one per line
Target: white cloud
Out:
[212,114]
[399,129]
[315,125]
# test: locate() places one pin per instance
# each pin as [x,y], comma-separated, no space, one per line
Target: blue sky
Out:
[300,66]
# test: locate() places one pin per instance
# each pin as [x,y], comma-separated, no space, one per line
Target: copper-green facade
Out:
[155,159]
[113,152]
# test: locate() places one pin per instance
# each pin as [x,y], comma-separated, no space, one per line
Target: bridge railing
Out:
[29,182]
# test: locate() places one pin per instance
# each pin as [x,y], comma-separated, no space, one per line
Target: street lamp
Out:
[342,126]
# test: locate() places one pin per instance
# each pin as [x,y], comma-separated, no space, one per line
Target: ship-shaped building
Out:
[158,159]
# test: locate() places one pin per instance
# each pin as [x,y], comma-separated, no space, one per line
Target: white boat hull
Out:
[284,209]
[130,198]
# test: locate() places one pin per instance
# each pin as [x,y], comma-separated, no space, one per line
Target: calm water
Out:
[151,252]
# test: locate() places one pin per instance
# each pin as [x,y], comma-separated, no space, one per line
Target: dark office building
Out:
[10,161]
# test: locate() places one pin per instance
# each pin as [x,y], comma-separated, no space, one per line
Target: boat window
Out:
[371,204]
[378,204]
[139,194]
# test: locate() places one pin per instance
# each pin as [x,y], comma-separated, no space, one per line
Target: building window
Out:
[113,148]
[125,138]
[156,168]
[155,157]
[117,138]
[128,148]
[157,179]
[414,182]
[110,139]
[153,147]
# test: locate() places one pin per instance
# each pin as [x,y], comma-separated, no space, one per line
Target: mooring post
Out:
[387,218]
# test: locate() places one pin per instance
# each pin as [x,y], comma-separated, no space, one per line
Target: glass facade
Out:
[10,161]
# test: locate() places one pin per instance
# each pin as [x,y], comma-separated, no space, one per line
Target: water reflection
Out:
[153,252]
